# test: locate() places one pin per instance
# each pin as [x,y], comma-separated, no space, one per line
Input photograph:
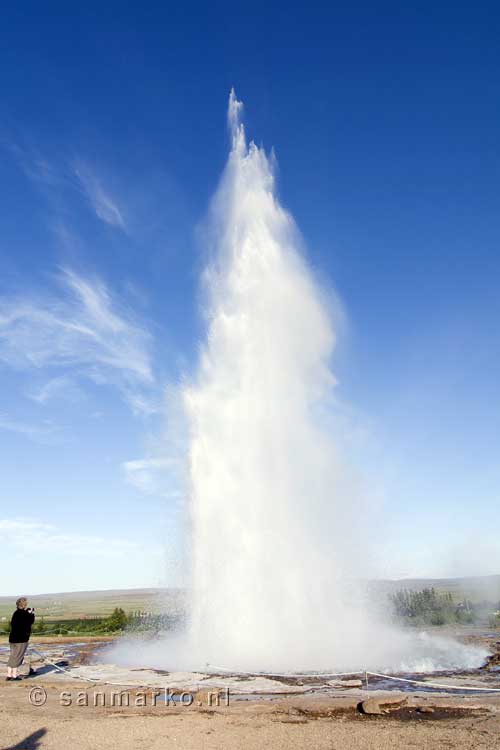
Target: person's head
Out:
[21,602]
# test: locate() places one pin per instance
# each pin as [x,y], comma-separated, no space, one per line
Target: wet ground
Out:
[279,712]
[85,660]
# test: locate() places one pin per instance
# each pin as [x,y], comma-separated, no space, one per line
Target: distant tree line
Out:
[431,607]
[117,621]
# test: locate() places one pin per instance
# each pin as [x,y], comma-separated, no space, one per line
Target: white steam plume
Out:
[275,522]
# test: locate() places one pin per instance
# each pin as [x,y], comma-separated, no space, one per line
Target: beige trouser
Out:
[17,651]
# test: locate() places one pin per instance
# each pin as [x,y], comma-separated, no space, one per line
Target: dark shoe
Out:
[8,679]
[16,679]
[31,672]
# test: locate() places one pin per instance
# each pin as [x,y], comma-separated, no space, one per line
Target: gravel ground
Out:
[319,722]
[293,722]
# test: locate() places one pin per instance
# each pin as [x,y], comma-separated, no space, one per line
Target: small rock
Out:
[371,706]
[345,683]
[377,706]
[425,710]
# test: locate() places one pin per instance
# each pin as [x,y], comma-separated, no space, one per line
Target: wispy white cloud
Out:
[152,476]
[60,174]
[61,387]
[163,471]
[47,557]
[142,403]
[45,433]
[28,534]
[82,328]
[100,199]
[33,163]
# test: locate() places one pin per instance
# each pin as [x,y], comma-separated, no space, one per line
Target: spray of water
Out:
[264,477]
[275,522]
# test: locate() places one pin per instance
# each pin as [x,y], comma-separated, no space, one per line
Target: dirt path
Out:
[305,722]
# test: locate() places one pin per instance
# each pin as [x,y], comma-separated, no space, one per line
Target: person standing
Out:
[20,631]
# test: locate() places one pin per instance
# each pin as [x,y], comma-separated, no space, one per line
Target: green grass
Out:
[475,589]
[82,604]
[79,605]
[118,622]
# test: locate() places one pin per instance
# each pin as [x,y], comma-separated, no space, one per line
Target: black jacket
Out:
[20,626]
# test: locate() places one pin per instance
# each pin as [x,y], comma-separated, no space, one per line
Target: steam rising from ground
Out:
[275,529]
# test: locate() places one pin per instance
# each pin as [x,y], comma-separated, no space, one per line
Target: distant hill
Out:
[475,588]
[75,604]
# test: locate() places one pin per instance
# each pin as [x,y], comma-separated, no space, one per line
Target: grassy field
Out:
[475,589]
[81,604]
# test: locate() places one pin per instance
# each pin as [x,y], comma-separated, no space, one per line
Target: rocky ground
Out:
[291,722]
[54,710]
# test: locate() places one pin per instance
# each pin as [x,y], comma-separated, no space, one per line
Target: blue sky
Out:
[384,119]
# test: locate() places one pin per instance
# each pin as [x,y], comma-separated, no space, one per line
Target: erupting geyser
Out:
[267,504]
[275,520]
